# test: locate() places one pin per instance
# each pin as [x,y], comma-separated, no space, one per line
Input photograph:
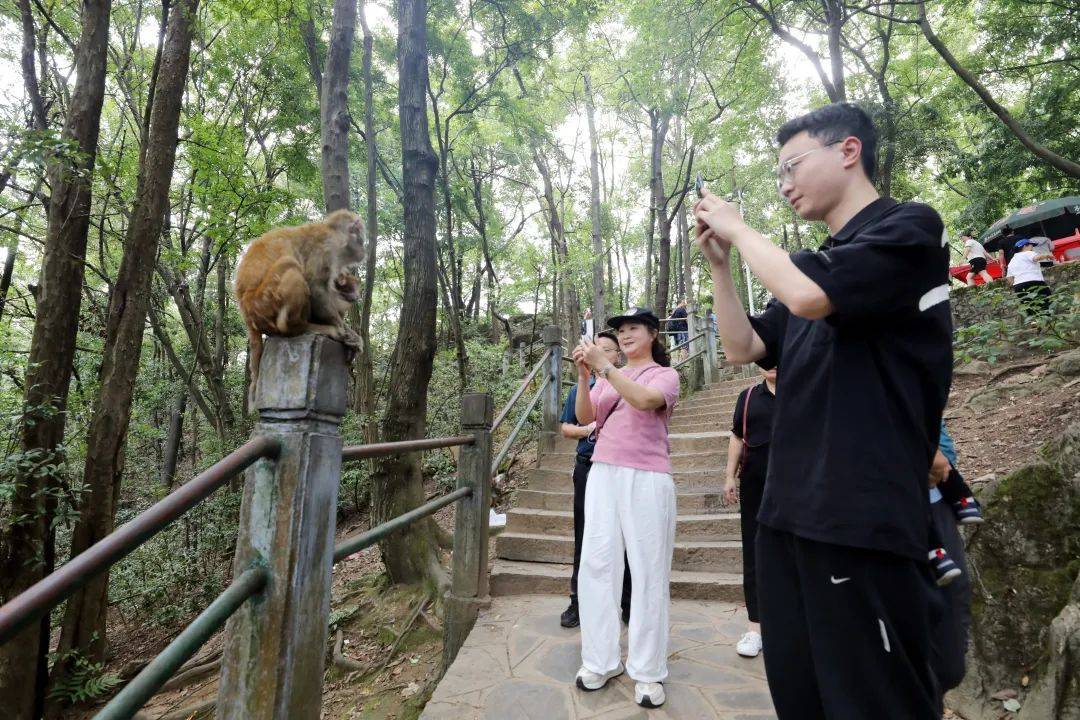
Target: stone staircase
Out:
[534,554]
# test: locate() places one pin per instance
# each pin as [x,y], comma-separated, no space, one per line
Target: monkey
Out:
[293,280]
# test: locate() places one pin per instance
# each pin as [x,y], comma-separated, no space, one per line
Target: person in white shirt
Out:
[1026,278]
[976,254]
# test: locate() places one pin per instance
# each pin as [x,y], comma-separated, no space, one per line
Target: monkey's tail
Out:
[255,349]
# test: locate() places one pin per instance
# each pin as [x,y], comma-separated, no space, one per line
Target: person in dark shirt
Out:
[677,323]
[747,463]
[862,336]
[586,437]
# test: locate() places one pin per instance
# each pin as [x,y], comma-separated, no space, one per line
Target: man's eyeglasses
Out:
[786,169]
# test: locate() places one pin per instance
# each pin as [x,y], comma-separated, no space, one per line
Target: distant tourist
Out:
[1043,247]
[976,254]
[677,323]
[1026,277]
[747,465]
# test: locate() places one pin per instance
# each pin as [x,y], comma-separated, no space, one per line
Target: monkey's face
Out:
[345,287]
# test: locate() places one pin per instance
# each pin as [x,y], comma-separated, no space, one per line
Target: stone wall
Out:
[967,309]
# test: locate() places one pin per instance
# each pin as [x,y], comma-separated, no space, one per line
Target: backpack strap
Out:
[745,417]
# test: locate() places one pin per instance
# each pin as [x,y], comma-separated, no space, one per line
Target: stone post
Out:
[549,430]
[272,668]
[469,590]
[712,368]
[695,370]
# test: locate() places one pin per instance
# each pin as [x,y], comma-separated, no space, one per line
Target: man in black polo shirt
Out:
[862,338]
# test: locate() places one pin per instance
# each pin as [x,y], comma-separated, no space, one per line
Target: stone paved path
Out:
[518,664]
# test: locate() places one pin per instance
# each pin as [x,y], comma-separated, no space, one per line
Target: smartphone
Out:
[699,185]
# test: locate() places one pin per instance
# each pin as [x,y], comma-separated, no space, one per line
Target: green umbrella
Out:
[1029,215]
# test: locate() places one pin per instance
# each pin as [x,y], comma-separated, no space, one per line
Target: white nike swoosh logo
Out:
[837,581]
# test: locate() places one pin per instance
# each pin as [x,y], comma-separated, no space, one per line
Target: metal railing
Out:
[53,589]
[272,664]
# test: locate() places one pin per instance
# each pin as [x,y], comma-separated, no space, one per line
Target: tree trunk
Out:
[411,555]
[1065,165]
[334,107]
[84,618]
[191,319]
[365,379]
[28,547]
[451,271]
[660,122]
[173,439]
[686,271]
[8,271]
[650,241]
[834,16]
[599,301]
[568,308]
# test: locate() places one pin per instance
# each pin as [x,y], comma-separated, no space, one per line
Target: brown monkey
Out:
[298,279]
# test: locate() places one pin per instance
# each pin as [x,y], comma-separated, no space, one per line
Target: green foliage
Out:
[1002,325]
[85,680]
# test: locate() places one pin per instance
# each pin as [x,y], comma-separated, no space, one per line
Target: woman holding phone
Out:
[629,505]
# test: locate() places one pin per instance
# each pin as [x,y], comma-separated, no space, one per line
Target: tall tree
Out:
[1069,167]
[599,302]
[28,545]
[397,486]
[84,618]
[365,384]
[334,107]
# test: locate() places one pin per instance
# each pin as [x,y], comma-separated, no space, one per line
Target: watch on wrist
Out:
[604,371]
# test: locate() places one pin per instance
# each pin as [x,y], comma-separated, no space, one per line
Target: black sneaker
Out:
[968,511]
[569,618]
[626,615]
[945,570]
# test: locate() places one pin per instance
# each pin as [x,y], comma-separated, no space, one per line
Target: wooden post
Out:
[469,590]
[549,430]
[695,370]
[275,644]
[711,367]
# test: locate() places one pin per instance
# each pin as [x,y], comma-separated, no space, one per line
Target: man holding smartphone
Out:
[862,338]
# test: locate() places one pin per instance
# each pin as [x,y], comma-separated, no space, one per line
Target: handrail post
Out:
[272,668]
[549,431]
[695,373]
[711,367]
[470,560]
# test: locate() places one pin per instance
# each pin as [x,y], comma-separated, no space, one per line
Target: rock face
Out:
[1026,560]
[1057,693]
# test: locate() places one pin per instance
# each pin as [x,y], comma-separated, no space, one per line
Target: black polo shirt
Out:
[860,393]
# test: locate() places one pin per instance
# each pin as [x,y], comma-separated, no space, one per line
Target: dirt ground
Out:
[389,654]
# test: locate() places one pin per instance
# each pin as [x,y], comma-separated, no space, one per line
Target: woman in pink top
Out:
[629,504]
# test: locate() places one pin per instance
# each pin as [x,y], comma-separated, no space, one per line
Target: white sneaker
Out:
[649,695]
[749,645]
[588,680]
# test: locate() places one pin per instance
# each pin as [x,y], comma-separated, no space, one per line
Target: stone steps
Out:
[687,503]
[531,521]
[512,577]
[696,480]
[681,442]
[535,550]
[680,462]
[719,556]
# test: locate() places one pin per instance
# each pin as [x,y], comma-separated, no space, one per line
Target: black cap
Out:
[644,316]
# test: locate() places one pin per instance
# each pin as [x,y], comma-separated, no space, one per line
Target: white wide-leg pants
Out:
[631,509]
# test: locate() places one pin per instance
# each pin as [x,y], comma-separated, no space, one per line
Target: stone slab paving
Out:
[519,664]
